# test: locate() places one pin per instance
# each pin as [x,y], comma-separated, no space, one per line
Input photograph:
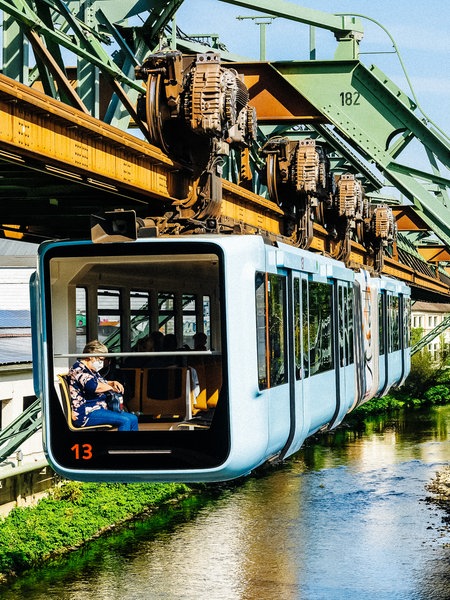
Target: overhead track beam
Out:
[370,113]
[348,30]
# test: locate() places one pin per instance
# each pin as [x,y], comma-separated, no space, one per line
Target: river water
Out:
[346,518]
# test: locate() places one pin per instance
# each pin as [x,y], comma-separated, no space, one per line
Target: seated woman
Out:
[90,392]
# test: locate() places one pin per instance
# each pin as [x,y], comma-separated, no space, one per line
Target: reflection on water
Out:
[345,519]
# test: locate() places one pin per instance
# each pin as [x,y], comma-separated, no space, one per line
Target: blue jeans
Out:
[124,421]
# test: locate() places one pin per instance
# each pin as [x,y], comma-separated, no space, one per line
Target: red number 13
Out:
[82,452]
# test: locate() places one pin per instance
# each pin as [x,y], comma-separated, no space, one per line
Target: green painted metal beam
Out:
[162,12]
[17,432]
[348,30]
[371,113]
[431,335]
[309,16]
[371,181]
[86,29]
[15,51]
[81,42]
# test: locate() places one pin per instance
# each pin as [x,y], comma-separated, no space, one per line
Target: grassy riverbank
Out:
[73,514]
[427,384]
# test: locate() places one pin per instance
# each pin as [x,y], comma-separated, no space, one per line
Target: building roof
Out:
[17,254]
[15,337]
[14,318]
[17,260]
[430,307]
[15,349]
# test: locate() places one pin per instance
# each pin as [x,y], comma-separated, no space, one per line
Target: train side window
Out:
[381,321]
[305,328]
[320,327]
[204,313]
[406,322]
[188,326]
[350,324]
[277,329]
[109,314]
[81,318]
[345,310]
[297,329]
[139,315]
[271,329]
[261,329]
[166,304]
[395,322]
[342,314]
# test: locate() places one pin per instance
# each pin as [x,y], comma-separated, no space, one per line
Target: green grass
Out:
[71,515]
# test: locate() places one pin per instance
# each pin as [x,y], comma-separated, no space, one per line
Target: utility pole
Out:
[262,21]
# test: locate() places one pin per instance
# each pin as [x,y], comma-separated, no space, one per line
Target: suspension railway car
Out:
[294,341]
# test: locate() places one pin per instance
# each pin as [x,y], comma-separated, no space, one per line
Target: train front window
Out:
[147,308]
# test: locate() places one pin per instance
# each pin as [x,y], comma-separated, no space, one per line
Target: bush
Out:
[438,394]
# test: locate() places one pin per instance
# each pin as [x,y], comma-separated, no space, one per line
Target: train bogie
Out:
[290,345]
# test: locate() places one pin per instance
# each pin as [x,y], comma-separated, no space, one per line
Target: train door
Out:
[344,350]
[394,320]
[319,351]
[406,335]
[382,342]
[298,332]
[273,350]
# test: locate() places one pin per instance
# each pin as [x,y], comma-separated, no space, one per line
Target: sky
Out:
[420,30]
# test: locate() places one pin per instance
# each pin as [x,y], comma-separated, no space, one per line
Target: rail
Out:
[17,432]
[430,336]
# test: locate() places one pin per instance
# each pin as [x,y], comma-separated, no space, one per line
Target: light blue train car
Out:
[293,342]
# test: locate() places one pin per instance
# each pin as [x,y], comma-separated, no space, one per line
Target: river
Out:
[346,518]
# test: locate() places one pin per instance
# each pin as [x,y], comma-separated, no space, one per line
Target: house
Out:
[24,472]
[427,316]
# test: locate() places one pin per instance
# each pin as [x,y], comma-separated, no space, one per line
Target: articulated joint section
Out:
[195,110]
[298,178]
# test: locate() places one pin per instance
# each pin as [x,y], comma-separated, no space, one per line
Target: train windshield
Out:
[155,309]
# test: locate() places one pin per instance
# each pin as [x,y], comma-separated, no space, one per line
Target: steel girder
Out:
[86,29]
[22,428]
[431,335]
[369,112]
[347,30]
